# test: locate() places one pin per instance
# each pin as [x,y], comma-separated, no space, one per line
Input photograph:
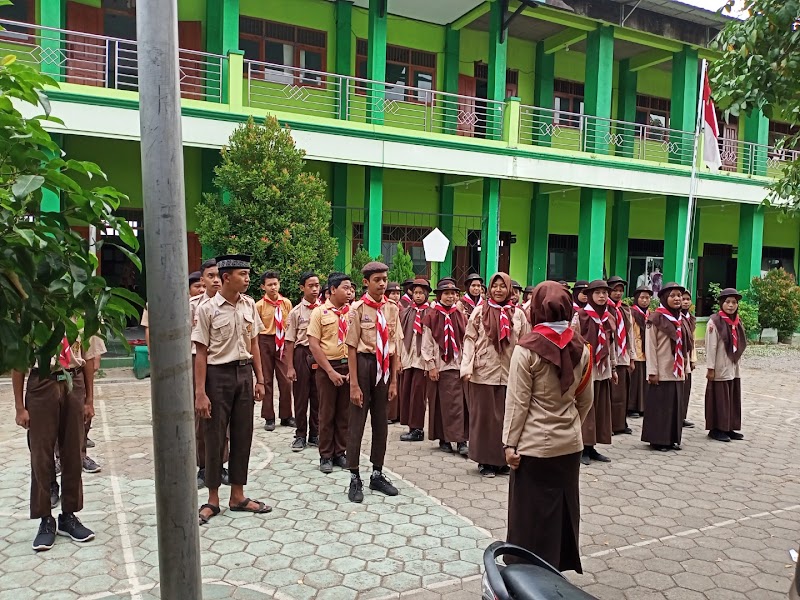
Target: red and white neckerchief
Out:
[280,332]
[419,308]
[602,341]
[381,338]
[638,308]
[341,312]
[622,330]
[505,322]
[65,357]
[677,364]
[734,325]
[450,346]
[472,302]
[312,305]
[561,335]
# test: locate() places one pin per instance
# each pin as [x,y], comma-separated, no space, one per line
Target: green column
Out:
[447,200]
[756,131]
[626,110]
[339,228]
[452,45]
[222,35]
[683,107]
[376,60]
[344,51]
[751,241]
[620,225]
[373,210]
[675,251]
[539,236]
[543,89]
[52,13]
[598,88]
[592,233]
[51,201]
[490,230]
[497,71]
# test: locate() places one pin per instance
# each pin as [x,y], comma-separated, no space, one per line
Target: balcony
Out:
[84,61]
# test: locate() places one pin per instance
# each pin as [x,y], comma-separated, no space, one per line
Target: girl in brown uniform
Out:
[690,324]
[473,297]
[626,356]
[412,398]
[638,388]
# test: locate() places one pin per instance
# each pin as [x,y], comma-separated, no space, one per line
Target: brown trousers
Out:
[276,367]
[56,419]
[376,397]
[230,390]
[687,394]
[305,394]
[413,398]
[334,413]
[200,432]
[393,407]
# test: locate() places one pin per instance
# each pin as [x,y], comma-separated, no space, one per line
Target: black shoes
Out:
[288,422]
[89,465]
[688,424]
[462,448]
[46,536]
[55,495]
[326,465]
[446,447]
[380,483]
[487,471]
[595,455]
[356,491]
[720,436]
[627,431]
[269,425]
[635,414]
[734,435]
[201,479]
[585,460]
[313,440]
[299,444]
[504,470]
[340,461]
[70,526]
[226,478]
[415,435]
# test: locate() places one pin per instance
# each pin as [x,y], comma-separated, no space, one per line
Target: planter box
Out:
[795,339]
[769,336]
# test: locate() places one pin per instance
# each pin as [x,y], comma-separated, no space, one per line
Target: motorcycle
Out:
[530,578]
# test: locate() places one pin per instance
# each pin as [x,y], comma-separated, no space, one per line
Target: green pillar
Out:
[620,226]
[339,228]
[52,13]
[598,88]
[452,45]
[626,109]
[497,71]
[222,35]
[592,233]
[490,230]
[543,89]
[373,210]
[539,236]
[675,251]
[51,201]
[683,107]
[751,242]
[376,60]
[756,132]
[344,50]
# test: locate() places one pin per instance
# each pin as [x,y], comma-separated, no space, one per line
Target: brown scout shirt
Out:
[717,357]
[267,313]
[194,303]
[361,332]
[480,359]
[660,357]
[606,368]
[227,330]
[324,326]
[299,318]
[432,354]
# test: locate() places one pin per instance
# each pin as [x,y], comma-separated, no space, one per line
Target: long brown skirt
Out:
[596,429]
[412,401]
[447,408]
[638,389]
[724,405]
[687,392]
[393,407]
[619,399]
[663,423]
[544,509]
[487,406]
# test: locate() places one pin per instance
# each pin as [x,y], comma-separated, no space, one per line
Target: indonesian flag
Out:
[710,130]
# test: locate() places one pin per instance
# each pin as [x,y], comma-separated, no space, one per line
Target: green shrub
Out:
[402,266]
[778,298]
[360,258]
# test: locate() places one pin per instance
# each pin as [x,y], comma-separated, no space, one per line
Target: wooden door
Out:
[730,146]
[195,251]
[504,258]
[190,37]
[85,56]
[466,117]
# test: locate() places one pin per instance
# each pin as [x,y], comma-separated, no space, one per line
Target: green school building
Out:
[552,139]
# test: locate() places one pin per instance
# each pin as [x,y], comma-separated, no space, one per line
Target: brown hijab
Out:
[724,330]
[550,302]
[591,330]
[491,316]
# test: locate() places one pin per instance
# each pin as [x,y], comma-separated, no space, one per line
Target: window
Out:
[653,113]
[568,98]
[562,257]
[391,235]
[287,46]
[404,68]
[20,10]
[777,258]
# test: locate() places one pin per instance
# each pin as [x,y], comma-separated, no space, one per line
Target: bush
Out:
[402,266]
[748,308]
[778,298]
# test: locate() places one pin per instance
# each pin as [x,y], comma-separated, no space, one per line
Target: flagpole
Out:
[693,180]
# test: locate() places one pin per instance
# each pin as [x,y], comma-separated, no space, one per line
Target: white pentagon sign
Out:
[435,245]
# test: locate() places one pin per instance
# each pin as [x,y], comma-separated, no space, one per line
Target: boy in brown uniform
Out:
[300,361]
[274,312]
[227,354]
[327,332]
[373,335]
[413,398]
[626,355]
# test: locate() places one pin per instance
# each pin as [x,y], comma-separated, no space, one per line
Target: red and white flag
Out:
[710,129]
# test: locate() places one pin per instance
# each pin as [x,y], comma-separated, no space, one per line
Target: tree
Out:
[361,258]
[402,266]
[48,285]
[760,70]
[276,212]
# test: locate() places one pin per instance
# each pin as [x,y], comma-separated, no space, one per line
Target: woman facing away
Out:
[549,395]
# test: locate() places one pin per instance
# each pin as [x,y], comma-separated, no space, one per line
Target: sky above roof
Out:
[713,5]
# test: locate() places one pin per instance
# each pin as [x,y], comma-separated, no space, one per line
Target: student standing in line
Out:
[393,292]
[666,371]
[413,400]
[473,297]
[690,325]
[327,331]
[274,312]
[489,340]
[406,299]
[442,342]
[626,356]
[373,336]
[300,360]
[638,388]
[516,292]
[726,341]
[579,298]
[526,299]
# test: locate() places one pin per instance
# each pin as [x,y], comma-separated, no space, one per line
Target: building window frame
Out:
[568,97]
[413,63]
[14,34]
[653,114]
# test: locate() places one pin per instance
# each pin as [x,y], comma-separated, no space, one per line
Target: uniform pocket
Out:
[221,328]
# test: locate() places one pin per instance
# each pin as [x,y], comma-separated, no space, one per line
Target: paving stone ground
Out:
[715,521]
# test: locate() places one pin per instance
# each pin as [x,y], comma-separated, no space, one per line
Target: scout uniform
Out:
[468,302]
[638,384]
[690,325]
[577,289]
[393,412]
[304,387]
[413,400]
[626,355]
[273,362]
[405,300]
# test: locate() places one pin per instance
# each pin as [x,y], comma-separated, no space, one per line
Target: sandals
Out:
[244,504]
[214,512]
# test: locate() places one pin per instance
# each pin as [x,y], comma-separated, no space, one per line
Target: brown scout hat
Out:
[393,287]
[374,267]
[446,284]
[597,284]
[669,287]
[616,280]
[421,282]
[727,293]
[641,290]
[473,277]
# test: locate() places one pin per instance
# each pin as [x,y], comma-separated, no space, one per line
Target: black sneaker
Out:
[290,422]
[201,479]
[446,447]
[720,436]
[70,526]
[380,483]
[89,443]
[735,435]
[585,460]
[627,431]
[46,536]
[55,495]
[326,465]
[688,424]
[486,471]
[595,455]
[462,448]
[226,478]
[313,440]
[415,435]
[356,491]
[89,466]
[299,444]
[504,470]
[269,424]
[340,461]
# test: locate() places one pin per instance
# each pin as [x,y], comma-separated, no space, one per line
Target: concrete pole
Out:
[167,285]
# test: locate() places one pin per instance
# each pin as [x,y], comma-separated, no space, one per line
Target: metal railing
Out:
[102,61]
[754,159]
[295,89]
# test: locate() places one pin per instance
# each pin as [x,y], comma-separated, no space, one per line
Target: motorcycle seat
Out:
[530,582]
